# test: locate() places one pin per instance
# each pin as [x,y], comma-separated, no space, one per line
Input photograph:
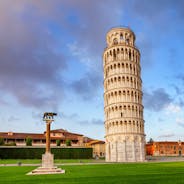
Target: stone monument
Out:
[47,158]
[124,123]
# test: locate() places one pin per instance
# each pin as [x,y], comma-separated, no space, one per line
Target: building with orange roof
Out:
[40,139]
[165,148]
[98,147]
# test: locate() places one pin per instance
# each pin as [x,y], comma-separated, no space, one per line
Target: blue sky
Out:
[51,60]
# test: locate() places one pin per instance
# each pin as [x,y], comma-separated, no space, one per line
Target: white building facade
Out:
[124,124]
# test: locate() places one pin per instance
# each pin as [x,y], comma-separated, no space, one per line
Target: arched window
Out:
[130,56]
[114,54]
[115,41]
[110,53]
[118,51]
[121,36]
[127,41]
[121,114]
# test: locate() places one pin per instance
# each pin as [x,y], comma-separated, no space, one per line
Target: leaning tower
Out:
[124,124]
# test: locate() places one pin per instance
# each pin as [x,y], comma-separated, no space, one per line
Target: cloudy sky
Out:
[51,60]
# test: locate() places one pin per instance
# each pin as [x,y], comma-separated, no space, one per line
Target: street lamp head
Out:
[49,116]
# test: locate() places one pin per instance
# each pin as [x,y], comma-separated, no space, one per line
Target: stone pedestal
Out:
[47,166]
[47,160]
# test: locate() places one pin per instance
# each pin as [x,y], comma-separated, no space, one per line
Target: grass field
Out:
[144,173]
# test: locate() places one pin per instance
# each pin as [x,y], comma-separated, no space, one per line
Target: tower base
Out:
[128,148]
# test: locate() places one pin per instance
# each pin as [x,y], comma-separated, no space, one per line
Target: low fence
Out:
[7,152]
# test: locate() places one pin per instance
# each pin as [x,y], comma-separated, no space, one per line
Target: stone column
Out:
[48,136]
[117,151]
[133,150]
[107,151]
[125,156]
[142,154]
[48,158]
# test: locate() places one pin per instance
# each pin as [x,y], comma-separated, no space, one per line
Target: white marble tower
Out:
[124,124]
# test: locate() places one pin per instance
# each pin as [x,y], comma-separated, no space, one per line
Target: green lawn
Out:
[145,173]
[25,161]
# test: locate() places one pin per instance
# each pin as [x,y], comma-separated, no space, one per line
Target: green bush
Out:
[58,142]
[36,153]
[10,144]
[28,141]
[1,141]
[68,142]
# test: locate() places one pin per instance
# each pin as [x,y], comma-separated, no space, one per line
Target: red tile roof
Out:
[64,131]
[58,130]
[96,142]
[15,135]
[166,142]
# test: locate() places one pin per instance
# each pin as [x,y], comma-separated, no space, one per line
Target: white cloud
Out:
[83,54]
[172,108]
[166,135]
[13,118]
[180,122]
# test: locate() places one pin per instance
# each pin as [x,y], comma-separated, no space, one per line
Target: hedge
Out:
[36,153]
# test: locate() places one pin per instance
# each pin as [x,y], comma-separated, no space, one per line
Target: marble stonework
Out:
[124,123]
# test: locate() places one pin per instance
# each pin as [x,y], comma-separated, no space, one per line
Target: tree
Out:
[28,141]
[1,141]
[150,140]
[13,144]
[68,142]
[58,142]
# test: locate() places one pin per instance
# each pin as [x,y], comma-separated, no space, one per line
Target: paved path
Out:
[58,164]
[149,160]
